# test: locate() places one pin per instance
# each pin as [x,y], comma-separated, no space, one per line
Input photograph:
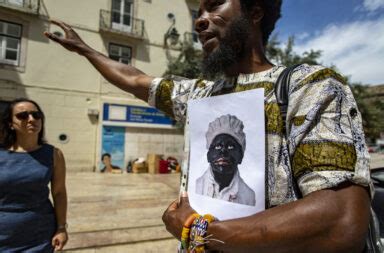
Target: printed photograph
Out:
[227,148]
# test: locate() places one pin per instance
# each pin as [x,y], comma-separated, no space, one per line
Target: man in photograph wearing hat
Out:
[226,145]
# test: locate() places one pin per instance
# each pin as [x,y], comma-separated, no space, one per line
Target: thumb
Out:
[52,37]
[184,200]
[54,241]
[59,246]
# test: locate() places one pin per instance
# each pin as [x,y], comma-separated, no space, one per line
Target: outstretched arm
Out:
[121,75]
[334,220]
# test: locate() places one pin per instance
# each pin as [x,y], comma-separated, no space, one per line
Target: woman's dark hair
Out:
[104,155]
[9,135]
[272,12]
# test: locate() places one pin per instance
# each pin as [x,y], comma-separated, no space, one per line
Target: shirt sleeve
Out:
[325,135]
[171,95]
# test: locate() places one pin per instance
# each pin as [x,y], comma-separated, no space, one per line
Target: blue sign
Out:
[135,114]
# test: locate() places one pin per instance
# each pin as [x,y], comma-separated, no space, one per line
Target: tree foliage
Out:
[371,108]
[186,64]
[287,56]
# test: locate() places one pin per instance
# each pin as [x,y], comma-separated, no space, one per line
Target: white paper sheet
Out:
[247,106]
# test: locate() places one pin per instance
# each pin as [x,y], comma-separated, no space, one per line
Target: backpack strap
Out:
[282,99]
[282,91]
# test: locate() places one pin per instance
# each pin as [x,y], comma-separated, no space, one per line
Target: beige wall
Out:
[66,85]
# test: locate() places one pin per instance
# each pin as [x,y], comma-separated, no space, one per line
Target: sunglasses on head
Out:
[25,115]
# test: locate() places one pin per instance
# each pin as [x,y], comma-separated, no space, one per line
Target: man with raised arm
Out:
[318,185]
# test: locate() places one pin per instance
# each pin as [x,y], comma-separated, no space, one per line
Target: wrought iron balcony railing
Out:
[121,23]
[29,6]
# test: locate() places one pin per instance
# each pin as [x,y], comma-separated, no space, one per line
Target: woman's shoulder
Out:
[55,150]
[51,147]
[47,147]
[57,153]
[50,150]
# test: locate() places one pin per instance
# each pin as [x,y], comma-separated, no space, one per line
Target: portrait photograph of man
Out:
[226,174]
[226,142]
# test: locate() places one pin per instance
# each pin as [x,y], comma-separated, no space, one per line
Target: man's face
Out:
[224,154]
[223,32]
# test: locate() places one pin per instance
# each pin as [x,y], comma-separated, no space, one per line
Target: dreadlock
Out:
[272,12]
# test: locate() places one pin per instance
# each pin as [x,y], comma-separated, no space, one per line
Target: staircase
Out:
[119,212]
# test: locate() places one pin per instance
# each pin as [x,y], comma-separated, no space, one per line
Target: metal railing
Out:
[30,6]
[134,29]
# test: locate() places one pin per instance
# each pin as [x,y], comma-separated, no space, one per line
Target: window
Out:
[120,53]
[16,2]
[10,38]
[122,15]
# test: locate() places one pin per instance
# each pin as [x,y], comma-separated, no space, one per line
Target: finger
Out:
[67,26]
[61,24]
[60,246]
[55,242]
[174,205]
[184,200]
[53,37]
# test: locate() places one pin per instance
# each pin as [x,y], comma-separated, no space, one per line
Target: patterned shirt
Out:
[323,145]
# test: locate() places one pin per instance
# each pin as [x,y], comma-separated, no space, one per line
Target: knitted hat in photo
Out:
[226,124]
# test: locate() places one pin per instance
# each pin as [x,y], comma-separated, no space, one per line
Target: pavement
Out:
[377,160]
[121,213]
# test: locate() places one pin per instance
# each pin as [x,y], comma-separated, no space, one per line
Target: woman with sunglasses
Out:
[28,221]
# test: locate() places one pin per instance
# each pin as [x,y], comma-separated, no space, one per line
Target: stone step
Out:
[119,212]
[154,246]
[124,236]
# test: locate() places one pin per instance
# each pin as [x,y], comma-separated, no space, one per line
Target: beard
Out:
[231,49]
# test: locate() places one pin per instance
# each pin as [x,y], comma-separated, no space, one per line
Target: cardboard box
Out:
[139,167]
[153,163]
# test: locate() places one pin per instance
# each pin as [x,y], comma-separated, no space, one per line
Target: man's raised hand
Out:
[71,41]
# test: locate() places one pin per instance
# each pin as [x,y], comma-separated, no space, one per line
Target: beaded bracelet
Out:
[186,230]
[198,233]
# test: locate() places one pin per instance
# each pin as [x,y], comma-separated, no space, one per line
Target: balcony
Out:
[126,25]
[27,6]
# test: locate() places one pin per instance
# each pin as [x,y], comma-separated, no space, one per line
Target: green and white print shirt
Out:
[324,145]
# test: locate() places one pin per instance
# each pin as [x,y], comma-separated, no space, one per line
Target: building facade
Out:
[87,116]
